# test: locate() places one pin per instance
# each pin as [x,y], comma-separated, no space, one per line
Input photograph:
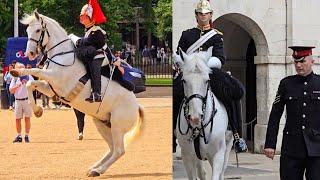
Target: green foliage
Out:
[163,13]
[60,10]
[6,23]
[66,12]
[116,11]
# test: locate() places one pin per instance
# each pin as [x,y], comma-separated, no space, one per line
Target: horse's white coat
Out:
[195,77]
[119,106]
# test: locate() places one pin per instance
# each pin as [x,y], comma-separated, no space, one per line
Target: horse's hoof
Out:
[15,73]
[93,174]
[38,112]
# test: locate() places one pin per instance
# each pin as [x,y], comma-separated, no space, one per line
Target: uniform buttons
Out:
[318,97]
[303,116]
[305,93]
[304,104]
[303,127]
[290,97]
[305,83]
[287,132]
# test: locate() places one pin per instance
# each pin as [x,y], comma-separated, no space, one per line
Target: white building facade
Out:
[256,36]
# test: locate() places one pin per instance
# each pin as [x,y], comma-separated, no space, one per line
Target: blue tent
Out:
[15,50]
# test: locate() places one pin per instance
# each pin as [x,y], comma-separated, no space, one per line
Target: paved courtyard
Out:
[251,167]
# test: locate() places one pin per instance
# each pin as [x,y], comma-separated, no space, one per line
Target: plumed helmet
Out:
[204,7]
[93,10]
[87,10]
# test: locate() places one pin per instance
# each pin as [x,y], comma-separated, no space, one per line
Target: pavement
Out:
[251,167]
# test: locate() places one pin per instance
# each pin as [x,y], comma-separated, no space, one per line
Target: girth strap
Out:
[75,91]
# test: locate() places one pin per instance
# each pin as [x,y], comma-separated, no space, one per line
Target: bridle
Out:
[39,43]
[185,105]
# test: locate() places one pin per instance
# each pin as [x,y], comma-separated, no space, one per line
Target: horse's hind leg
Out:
[105,132]
[229,143]
[118,151]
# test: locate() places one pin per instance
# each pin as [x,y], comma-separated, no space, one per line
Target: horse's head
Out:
[38,33]
[196,84]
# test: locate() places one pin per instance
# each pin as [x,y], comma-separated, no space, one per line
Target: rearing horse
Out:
[119,112]
[202,123]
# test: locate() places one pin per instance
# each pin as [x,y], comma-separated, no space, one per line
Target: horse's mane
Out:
[195,65]
[27,19]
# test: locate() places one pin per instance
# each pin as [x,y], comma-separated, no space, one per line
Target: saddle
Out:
[117,76]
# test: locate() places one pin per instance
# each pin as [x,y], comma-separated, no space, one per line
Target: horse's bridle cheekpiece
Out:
[185,105]
[41,38]
[42,47]
[197,132]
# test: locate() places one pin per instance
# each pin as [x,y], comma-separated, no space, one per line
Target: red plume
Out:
[97,15]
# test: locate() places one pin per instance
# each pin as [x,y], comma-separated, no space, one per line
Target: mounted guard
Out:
[226,88]
[92,49]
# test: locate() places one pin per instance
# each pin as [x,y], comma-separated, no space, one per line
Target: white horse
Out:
[119,106]
[202,122]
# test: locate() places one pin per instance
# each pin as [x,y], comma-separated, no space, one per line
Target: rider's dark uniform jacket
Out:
[220,81]
[89,50]
[190,36]
[95,38]
[91,44]
[301,134]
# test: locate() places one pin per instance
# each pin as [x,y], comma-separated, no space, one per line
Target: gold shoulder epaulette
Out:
[95,28]
[218,32]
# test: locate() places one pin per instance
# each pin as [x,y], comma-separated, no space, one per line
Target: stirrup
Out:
[240,144]
[94,97]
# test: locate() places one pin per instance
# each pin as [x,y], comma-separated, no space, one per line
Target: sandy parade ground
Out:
[55,153]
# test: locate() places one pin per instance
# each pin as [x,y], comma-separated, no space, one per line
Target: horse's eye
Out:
[38,30]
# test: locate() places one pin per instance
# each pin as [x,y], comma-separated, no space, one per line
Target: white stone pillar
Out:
[270,70]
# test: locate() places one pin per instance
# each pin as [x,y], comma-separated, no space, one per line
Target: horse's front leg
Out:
[41,86]
[229,143]
[41,73]
[217,161]
[189,162]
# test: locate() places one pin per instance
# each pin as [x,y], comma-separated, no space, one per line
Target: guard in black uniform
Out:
[300,93]
[90,47]
[226,88]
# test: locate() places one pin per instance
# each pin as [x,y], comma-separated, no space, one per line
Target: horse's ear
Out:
[209,52]
[177,59]
[36,14]
[184,55]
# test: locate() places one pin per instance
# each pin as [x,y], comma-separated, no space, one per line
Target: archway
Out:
[244,41]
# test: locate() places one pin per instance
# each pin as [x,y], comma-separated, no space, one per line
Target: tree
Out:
[6,23]
[61,11]
[163,14]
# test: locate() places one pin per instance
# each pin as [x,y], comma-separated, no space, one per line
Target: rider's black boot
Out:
[94,97]
[239,143]
[95,74]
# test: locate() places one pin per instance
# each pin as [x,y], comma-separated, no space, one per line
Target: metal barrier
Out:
[152,67]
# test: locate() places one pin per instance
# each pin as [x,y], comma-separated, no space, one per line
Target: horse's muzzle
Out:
[194,120]
[31,55]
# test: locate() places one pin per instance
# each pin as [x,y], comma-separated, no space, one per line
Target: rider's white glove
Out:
[214,62]
[73,38]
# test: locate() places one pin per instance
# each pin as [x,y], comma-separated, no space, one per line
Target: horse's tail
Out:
[137,129]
